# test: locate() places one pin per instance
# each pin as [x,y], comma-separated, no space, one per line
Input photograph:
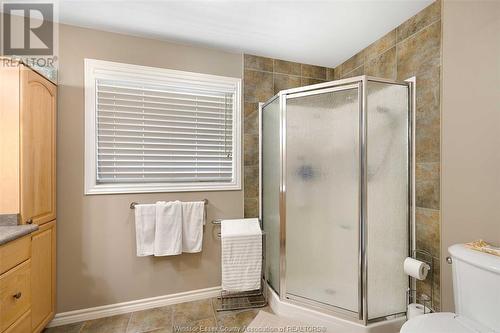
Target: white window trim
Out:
[99,69]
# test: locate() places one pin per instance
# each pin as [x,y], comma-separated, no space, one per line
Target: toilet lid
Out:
[443,322]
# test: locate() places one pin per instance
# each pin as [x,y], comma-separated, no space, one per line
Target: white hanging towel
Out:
[241,254]
[193,219]
[168,231]
[145,216]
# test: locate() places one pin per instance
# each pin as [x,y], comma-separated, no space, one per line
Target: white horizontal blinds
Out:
[178,133]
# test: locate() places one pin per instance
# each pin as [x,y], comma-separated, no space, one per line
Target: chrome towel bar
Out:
[133,204]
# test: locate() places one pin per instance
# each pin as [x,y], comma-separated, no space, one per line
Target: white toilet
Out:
[476,288]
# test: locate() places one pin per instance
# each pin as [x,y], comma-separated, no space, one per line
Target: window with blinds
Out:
[153,130]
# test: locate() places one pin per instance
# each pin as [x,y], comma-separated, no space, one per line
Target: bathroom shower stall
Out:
[336,196]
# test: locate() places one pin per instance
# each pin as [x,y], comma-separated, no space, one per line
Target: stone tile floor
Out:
[196,316]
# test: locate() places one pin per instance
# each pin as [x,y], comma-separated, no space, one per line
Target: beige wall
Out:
[470,128]
[96,238]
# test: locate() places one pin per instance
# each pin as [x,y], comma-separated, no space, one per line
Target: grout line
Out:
[427,162]
[429,209]
[367,59]
[310,77]
[274,86]
[81,327]
[416,32]
[172,324]
[128,322]
[257,70]
[383,50]
[214,312]
[352,70]
[293,75]
[397,74]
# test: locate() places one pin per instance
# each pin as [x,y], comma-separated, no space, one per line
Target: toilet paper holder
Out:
[411,294]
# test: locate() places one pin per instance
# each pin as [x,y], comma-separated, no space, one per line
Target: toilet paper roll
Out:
[413,310]
[416,268]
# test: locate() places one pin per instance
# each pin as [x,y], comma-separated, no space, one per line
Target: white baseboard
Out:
[70,317]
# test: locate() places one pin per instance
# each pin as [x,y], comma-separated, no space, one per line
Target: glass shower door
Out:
[322,196]
[387,206]
[271,176]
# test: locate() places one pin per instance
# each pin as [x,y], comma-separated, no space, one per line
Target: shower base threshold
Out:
[332,323]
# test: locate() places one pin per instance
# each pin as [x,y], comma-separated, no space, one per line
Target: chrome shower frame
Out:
[359,82]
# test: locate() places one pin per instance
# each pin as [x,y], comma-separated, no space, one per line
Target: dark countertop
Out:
[9,219]
[12,232]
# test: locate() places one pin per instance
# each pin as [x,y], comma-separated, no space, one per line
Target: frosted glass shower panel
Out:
[271,189]
[322,190]
[388,201]
[336,196]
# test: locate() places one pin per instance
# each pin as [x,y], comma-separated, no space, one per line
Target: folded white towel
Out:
[168,231]
[241,254]
[145,217]
[193,219]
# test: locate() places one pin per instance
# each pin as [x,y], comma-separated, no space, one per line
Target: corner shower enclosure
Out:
[336,202]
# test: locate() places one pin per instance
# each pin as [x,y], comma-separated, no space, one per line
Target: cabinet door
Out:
[9,139]
[38,148]
[14,294]
[22,325]
[43,276]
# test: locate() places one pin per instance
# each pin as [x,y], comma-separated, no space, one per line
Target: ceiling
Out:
[315,32]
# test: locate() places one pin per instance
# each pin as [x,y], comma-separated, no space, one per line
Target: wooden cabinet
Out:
[15,294]
[28,147]
[15,285]
[38,148]
[43,275]
[27,281]
[28,178]
[14,253]
[22,325]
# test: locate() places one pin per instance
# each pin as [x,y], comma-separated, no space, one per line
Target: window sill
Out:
[140,188]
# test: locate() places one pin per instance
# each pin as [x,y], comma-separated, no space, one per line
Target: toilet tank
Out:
[476,285]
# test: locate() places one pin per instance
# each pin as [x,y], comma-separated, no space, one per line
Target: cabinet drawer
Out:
[15,294]
[22,325]
[15,252]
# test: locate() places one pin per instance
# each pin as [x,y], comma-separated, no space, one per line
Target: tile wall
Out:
[263,78]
